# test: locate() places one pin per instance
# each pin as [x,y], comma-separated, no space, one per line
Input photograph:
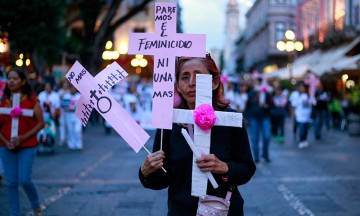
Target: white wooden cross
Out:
[201,138]
[165,44]
[15,120]
[94,95]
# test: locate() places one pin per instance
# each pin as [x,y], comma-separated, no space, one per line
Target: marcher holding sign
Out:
[230,160]
[18,144]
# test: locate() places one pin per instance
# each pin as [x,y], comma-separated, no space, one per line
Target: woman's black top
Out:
[229,144]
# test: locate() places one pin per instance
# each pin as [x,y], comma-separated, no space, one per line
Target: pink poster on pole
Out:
[165,44]
[94,95]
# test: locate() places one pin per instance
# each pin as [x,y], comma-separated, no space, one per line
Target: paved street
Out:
[102,179]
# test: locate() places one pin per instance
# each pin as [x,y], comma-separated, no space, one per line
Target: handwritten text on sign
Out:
[97,96]
[105,80]
[165,44]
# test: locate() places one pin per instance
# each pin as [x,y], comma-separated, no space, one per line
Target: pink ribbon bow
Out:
[204,117]
[16,112]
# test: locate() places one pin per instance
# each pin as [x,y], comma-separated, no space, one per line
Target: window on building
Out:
[279,31]
[339,14]
[356,13]
[280,1]
[292,27]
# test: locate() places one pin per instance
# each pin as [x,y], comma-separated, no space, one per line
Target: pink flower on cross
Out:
[16,112]
[204,117]
[263,89]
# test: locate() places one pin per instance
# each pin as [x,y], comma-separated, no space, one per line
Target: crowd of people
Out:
[265,106]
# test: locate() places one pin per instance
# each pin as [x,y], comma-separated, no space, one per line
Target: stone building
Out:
[267,21]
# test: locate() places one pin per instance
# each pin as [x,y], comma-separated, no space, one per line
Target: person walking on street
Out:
[321,108]
[50,103]
[278,113]
[73,123]
[303,105]
[230,159]
[258,110]
[18,153]
[292,99]
[65,88]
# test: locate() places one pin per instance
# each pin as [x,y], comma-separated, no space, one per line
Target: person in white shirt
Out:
[242,98]
[292,98]
[50,102]
[231,95]
[302,113]
[65,88]
[73,124]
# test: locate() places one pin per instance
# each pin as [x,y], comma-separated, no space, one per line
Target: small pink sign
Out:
[165,44]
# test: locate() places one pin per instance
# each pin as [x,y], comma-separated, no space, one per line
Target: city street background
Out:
[102,179]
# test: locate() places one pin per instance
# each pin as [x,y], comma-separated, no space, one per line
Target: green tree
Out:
[38,27]
[100,20]
[34,28]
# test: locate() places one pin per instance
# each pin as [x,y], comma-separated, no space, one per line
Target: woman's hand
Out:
[15,141]
[152,163]
[210,163]
[10,145]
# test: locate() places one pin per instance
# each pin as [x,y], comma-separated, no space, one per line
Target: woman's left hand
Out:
[16,140]
[210,163]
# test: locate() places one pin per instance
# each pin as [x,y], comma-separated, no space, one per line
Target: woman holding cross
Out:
[230,160]
[18,151]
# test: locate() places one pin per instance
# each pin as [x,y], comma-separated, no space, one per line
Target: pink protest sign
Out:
[313,82]
[165,44]
[107,78]
[94,95]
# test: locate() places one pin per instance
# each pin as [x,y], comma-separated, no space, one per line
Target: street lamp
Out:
[289,45]
[344,78]
[20,61]
[109,54]
[138,62]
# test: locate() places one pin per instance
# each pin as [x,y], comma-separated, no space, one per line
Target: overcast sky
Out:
[208,17]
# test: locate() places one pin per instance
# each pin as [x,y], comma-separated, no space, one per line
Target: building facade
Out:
[330,30]
[267,21]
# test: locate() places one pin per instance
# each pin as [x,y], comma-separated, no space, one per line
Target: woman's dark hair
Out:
[218,102]
[25,89]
